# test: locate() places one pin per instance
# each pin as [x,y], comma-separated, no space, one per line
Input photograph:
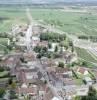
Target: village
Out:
[43,66]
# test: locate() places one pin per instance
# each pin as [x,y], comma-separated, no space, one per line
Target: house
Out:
[25,90]
[49,95]
[63,72]
[29,56]
[82,90]
[68,56]
[28,75]
[66,75]
[47,62]
[55,98]
[60,76]
[88,80]
[53,47]
[42,90]
[82,70]
[43,44]
[37,30]
[11,61]
[69,91]
[35,41]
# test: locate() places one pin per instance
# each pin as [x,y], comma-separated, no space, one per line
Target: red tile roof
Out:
[28,90]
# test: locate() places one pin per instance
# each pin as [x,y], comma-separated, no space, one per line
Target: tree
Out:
[22,59]
[66,47]
[77,98]
[1,69]
[72,49]
[52,37]
[13,95]
[84,63]
[92,95]
[61,64]
[70,43]
[5,51]
[37,49]
[39,56]
[49,45]
[44,49]
[56,48]
[49,55]
[61,50]
[10,81]
[2,92]
[9,47]
[13,85]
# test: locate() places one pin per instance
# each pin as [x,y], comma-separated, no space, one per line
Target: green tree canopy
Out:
[61,64]
[2,91]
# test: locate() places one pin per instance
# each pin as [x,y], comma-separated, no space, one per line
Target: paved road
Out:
[29,31]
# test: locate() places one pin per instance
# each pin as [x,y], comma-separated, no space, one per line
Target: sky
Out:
[41,1]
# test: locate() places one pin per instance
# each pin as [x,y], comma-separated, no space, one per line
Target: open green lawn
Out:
[83,54]
[72,22]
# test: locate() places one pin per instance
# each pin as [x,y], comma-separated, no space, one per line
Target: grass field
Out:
[3,44]
[4,41]
[2,74]
[83,54]
[11,16]
[72,22]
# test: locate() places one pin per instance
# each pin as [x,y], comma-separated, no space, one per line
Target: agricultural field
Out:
[11,16]
[4,41]
[84,55]
[72,22]
[3,44]
[76,23]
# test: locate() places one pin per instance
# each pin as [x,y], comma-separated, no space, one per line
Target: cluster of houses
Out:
[32,83]
[42,79]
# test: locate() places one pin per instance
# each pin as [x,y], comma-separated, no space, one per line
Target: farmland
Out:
[3,44]
[84,55]
[11,16]
[72,22]
[4,41]
[76,23]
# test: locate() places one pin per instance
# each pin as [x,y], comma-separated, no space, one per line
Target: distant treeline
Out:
[91,38]
[41,6]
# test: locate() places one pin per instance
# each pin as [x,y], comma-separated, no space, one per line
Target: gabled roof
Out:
[24,89]
[81,70]
[62,70]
